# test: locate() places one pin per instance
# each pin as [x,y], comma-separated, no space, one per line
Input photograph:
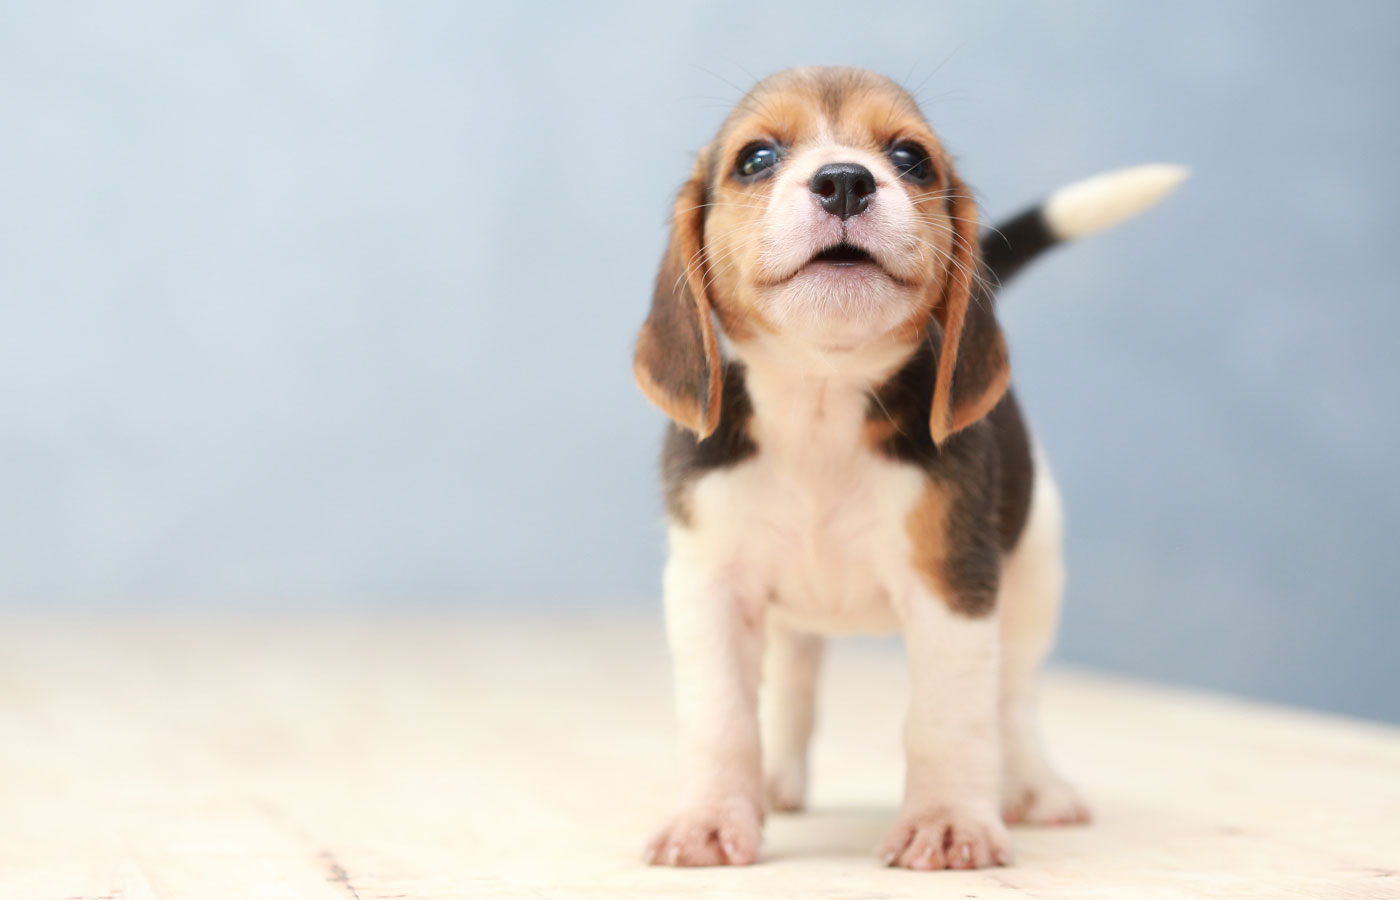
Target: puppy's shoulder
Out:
[985,469]
[685,458]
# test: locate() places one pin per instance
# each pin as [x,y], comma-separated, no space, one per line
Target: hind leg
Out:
[1032,587]
[786,704]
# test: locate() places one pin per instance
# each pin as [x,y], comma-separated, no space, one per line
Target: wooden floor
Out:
[501,760]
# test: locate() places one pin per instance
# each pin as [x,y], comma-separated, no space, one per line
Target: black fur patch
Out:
[684,458]
[1017,473]
[1011,244]
[984,473]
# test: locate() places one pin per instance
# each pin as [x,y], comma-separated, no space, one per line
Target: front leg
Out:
[786,713]
[950,818]
[715,629]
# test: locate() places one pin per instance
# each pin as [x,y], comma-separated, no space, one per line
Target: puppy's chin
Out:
[838,306]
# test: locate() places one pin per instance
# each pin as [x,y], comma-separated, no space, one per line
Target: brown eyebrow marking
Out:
[833,94]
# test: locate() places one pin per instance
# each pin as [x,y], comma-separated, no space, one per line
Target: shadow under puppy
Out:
[845,455]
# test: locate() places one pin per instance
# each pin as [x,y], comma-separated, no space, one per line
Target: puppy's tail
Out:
[1074,211]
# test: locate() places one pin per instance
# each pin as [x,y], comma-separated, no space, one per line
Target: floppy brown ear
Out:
[677,363]
[973,368]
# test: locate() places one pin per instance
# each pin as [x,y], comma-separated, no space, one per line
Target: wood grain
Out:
[502,759]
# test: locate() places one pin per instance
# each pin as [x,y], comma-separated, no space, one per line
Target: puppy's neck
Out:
[810,403]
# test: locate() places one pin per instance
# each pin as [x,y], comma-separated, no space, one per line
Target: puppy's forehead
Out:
[852,106]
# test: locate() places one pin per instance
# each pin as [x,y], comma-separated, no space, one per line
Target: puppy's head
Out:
[825,212]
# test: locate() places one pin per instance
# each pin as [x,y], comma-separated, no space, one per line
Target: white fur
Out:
[816,521]
[1104,200]
[811,536]
[787,706]
[952,742]
[1028,603]
[808,538]
[713,620]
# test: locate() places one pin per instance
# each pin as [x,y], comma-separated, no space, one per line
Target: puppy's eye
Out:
[755,161]
[912,163]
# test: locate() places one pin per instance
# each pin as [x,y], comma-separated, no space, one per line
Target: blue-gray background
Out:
[329,306]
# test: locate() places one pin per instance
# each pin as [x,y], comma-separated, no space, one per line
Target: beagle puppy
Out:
[845,455]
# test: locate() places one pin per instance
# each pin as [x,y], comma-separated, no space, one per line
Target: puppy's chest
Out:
[816,519]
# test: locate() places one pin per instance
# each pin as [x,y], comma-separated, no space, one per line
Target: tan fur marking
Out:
[946,553]
[876,431]
[927,526]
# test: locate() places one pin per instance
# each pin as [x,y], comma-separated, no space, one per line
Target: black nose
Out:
[844,189]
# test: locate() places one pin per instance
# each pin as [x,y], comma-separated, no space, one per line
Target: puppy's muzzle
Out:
[843,189]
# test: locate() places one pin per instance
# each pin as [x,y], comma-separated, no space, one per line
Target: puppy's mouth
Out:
[844,254]
[842,263]
[845,261]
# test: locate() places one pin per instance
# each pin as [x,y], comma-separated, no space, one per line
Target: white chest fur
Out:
[814,524]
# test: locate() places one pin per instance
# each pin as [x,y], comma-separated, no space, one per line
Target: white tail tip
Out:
[1103,201]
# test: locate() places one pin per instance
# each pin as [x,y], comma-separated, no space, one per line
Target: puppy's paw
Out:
[949,837]
[1048,800]
[723,834]
[785,785]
